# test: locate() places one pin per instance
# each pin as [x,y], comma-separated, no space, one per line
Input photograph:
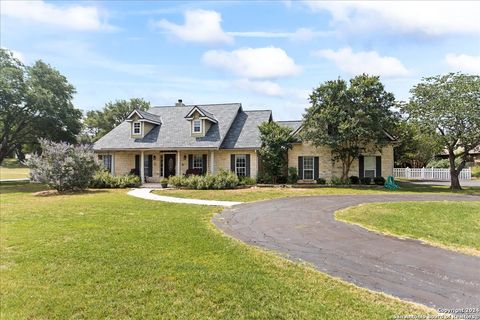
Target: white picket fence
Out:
[429,173]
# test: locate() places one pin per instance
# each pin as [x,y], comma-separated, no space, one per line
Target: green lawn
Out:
[103,254]
[455,225]
[12,169]
[256,194]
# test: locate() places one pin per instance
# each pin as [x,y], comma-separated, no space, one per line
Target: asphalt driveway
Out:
[304,228]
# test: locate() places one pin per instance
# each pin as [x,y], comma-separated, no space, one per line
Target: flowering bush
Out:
[63,166]
[103,179]
[221,180]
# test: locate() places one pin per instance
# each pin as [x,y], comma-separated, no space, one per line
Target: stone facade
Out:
[328,169]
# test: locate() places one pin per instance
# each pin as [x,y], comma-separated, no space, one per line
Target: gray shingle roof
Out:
[244,133]
[294,125]
[149,116]
[175,131]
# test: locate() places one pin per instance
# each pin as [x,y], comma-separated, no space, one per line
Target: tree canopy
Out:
[448,108]
[349,117]
[276,140]
[35,102]
[100,122]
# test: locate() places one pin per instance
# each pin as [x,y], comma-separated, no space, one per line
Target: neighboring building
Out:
[180,139]
[474,155]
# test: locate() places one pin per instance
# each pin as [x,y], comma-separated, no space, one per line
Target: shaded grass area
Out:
[256,194]
[454,225]
[13,169]
[107,255]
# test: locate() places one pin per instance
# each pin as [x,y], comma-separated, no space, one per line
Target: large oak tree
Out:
[349,117]
[448,108]
[35,102]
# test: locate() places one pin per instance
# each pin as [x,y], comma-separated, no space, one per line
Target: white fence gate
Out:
[429,173]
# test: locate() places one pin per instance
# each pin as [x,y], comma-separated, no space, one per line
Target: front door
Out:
[169,165]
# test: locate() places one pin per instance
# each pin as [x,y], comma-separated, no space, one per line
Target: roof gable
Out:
[144,116]
[203,114]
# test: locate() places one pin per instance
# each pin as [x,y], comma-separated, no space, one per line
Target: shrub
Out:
[247,181]
[103,179]
[354,180]
[282,179]
[321,181]
[221,180]
[63,166]
[264,178]
[292,175]
[366,180]
[380,181]
[336,181]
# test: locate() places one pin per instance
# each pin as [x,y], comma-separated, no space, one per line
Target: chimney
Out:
[179,103]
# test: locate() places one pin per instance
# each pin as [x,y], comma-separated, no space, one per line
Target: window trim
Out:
[309,170]
[110,157]
[198,157]
[140,128]
[239,156]
[200,126]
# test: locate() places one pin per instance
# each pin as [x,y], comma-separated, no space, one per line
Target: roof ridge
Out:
[258,110]
[198,105]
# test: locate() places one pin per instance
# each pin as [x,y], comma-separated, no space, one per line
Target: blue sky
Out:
[266,55]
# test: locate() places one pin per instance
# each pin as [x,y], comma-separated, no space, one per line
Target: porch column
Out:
[212,162]
[113,163]
[179,162]
[142,167]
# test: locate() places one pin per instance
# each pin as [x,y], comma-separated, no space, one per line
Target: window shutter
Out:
[232,162]
[300,168]
[315,168]
[190,161]
[204,164]
[137,165]
[360,167]
[378,167]
[247,156]
[150,165]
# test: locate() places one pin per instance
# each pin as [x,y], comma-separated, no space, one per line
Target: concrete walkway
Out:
[305,229]
[145,193]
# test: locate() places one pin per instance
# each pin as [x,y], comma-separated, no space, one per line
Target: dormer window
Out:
[197,126]
[137,128]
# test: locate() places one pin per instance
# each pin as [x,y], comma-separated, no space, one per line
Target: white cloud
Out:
[268,88]
[201,26]
[268,62]
[71,17]
[429,17]
[463,62]
[364,62]
[301,34]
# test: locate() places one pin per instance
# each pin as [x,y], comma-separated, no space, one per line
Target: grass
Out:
[453,225]
[256,194]
[103,254]
[476,172]
[12,169]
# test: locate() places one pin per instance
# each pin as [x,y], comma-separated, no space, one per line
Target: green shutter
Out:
[378,167]
[300,168]
[232,162]
[361,166]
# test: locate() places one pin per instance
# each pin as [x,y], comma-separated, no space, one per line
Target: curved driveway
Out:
[305,228]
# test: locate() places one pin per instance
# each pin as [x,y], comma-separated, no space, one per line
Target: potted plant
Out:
[164,182]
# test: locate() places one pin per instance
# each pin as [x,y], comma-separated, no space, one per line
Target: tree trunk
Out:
[20,154]
[3,154]
[454,173]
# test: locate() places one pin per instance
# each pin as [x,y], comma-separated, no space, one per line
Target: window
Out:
[369,166]
[308,168]
[137,129]
[197,161]
[107,162]
[241,165]
[197,126]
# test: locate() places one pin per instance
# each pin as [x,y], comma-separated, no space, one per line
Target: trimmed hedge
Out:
[103,179]
[221,180]
[380,181]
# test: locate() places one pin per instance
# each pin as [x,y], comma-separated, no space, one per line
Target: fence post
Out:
[422,173]
[407,172]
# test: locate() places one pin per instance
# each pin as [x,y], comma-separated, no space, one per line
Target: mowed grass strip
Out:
[453,225]
[13,169]
[265,193]
[103,254]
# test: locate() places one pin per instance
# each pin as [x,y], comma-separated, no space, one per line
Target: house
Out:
[179,139]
